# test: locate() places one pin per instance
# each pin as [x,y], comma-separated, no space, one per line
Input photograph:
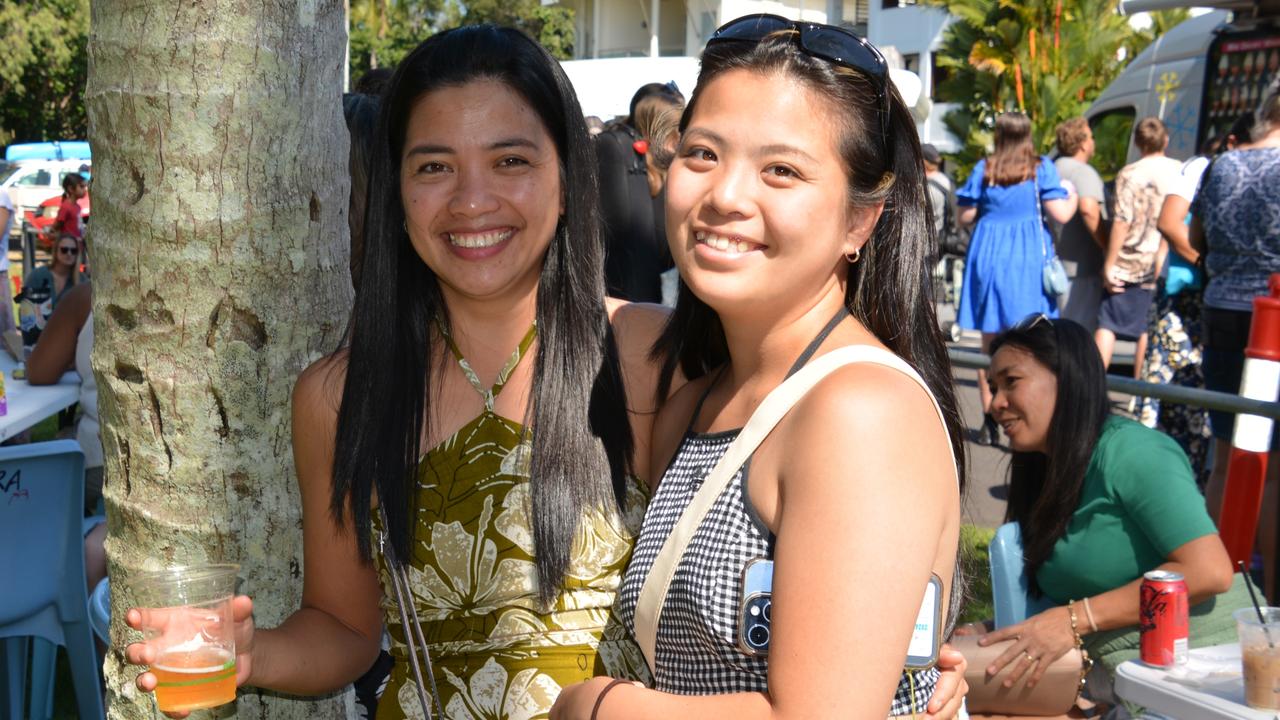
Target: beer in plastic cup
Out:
[186,615]
[1260,655]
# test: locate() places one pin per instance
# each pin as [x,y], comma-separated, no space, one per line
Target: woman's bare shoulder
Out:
[636,326]
[320,385]
[679,405]
[872,410]
[870,396]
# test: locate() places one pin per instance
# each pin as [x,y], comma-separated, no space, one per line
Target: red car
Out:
[42,218]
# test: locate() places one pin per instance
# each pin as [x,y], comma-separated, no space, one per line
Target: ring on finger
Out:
[1030,658]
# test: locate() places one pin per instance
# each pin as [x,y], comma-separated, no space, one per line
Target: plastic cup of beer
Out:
[186,617]
[1260,656]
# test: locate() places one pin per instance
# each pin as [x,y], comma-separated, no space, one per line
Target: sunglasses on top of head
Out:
[1031,322]
[825,42]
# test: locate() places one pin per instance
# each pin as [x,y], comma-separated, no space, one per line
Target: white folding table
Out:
[29,404]
[1218,698]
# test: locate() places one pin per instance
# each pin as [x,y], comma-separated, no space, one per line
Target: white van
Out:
[31,182]
[1198,78]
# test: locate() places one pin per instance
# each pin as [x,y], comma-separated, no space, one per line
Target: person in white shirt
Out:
[1130,269]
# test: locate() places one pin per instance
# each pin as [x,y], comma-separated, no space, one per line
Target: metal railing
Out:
[1209,399]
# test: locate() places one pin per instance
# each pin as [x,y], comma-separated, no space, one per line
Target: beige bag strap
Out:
[776,405]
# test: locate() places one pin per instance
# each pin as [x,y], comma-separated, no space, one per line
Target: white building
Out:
[654,28]
[630,28]
[915,32]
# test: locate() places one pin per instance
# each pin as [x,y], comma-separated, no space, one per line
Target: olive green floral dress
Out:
[496,651]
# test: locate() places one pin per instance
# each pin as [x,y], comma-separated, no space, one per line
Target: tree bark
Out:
[219,254]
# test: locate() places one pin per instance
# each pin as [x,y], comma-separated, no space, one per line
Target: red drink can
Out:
[1164,618]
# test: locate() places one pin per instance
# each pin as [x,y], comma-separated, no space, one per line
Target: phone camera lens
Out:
[768,610]
[758,636]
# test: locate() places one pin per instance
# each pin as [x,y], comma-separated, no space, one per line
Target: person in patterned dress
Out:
[1236,226]
[796,214]
[476,423]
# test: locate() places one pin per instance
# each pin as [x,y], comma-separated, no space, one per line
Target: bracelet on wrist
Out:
[1086,662]
[1088,613]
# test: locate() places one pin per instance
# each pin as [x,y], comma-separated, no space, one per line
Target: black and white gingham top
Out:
[697,652]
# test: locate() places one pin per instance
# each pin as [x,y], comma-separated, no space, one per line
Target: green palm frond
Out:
[1074,59]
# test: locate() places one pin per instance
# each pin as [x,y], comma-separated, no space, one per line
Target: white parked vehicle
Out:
[1198,78]
[31,182]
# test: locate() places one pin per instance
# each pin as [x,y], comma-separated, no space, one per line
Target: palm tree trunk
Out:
[219,246]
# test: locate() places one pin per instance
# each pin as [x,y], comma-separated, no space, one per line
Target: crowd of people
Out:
[507,466]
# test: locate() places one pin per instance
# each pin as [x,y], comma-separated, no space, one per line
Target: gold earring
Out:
[853,258]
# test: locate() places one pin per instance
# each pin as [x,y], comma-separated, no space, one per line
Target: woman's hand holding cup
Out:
[157,625]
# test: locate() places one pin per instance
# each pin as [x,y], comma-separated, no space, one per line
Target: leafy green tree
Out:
[551,25]
[382,32]
[42,69]
[1047,58]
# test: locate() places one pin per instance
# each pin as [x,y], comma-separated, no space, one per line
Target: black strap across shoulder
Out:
[805,356]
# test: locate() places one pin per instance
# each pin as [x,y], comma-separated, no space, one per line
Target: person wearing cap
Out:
[940,187]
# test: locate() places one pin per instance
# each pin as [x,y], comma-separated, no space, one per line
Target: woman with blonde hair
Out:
[1008,196]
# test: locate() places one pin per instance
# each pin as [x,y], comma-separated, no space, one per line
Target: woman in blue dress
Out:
[1003,274]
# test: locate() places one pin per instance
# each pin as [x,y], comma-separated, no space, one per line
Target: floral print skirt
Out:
[1174,349]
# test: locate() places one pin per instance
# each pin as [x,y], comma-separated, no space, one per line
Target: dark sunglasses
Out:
[67,251]
[1032,321]
[825,42]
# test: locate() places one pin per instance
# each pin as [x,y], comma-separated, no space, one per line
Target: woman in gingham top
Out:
[796,210]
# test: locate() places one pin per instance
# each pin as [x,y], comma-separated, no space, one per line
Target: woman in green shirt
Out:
[1101,500]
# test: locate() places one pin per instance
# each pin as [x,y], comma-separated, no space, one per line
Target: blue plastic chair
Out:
[1009,586]
[100,611]
[43,602]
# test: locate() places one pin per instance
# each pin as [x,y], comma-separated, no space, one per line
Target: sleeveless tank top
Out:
[497,652]
[696,650]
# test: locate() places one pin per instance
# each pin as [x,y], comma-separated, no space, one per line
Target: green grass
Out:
[46,429]
[975,544]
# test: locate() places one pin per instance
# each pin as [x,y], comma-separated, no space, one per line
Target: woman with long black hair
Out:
[1100,500]
[472,437]
[797,215]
